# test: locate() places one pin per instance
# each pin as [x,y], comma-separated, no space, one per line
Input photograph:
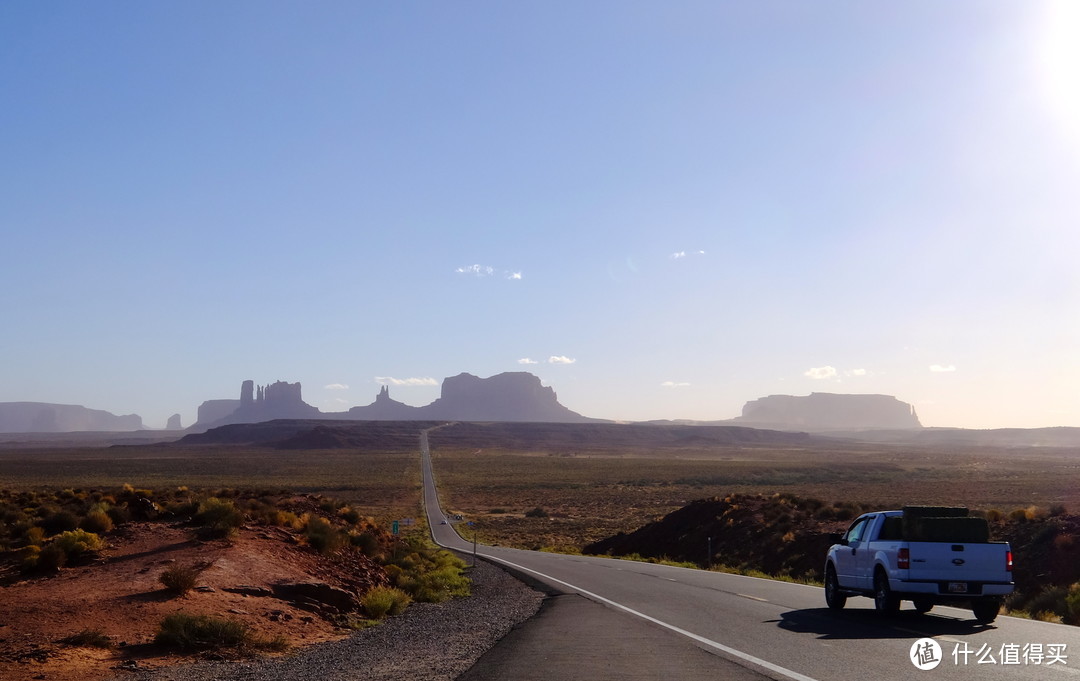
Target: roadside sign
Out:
[394,527]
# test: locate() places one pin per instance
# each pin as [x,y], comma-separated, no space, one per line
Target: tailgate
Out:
[958,563]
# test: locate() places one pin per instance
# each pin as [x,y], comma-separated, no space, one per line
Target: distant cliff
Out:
[279,400]
[42,417]
[513,396]
[828,411]
[510,396]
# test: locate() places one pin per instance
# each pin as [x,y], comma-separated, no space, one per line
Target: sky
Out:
[662,210]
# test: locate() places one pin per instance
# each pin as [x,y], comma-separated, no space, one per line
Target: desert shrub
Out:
[350,515]
[1050,600]
[77,544]
[1022,515]
[367,542]
[88,638]
[60,521]
[432,576]
[323,536]
[1057,510]
[33,536]
[96,521]
[49,558]
[1072,605]
[381,601]
[179,578]
[994,515]
[202,631]
[119,515]
[218,517]
[536,513]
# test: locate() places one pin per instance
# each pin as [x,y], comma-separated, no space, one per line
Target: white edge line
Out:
[796,676]
[783,671]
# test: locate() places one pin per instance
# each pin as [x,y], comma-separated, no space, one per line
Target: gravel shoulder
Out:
[429,642]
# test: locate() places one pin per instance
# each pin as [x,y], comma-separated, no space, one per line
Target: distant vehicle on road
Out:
[442,523]
[926,554]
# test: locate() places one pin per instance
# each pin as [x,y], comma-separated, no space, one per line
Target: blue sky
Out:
[663,210]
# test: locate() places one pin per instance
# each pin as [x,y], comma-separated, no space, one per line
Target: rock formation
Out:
[510,396]
[828,411]
[279,400]
[174,423]
[43,417]
[384,408]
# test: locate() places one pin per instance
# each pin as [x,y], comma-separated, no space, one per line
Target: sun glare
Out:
[1059,63]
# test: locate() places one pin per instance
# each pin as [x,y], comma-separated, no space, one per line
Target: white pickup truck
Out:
[925,554]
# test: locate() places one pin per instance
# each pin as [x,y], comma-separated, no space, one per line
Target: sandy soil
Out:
[119,595]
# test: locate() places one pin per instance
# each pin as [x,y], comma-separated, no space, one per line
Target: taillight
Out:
[903,559]
[1008,561]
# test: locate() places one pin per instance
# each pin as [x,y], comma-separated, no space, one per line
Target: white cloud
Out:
[526,360]
[678,255]
[819,373]
[477,270]
[336,386]
[390,380]
[939,369]
[673,384]
[561,359]
[855,372]
[481,271]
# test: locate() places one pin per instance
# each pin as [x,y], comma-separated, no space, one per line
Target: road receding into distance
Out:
[754,626]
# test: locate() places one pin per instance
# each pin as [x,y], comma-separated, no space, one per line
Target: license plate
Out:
[958,587]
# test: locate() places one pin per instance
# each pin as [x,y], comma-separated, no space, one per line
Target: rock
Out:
[828,411]
[43,417]
[316,596]
[174,423]
[247,590]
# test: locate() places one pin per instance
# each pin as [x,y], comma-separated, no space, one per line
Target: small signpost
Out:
[394,527]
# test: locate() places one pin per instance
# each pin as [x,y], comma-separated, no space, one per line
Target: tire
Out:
[986,610]
[833,597]
[923,606]
[885,601]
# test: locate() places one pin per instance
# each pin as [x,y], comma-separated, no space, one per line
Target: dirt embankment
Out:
[267,577]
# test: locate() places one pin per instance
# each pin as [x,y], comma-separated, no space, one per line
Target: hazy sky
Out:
[662,209]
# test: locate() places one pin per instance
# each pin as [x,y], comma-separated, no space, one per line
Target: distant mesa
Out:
[279,400]
[174,423]
[511,396]
[819,412]
[43,417]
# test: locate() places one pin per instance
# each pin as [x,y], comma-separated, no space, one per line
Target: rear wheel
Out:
[885,601]
[923,605]
[833,596]
[986,610]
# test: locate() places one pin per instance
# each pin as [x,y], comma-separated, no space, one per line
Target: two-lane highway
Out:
[785,630]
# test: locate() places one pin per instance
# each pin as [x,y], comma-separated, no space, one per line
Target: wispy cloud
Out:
[526,360]
[679,255]
[390,380]
[481,271]
[673,384]
[942,369]
[820,373]
[855,373]
[336,386]
[560,359]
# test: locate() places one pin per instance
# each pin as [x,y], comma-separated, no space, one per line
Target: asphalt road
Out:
[777,629]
